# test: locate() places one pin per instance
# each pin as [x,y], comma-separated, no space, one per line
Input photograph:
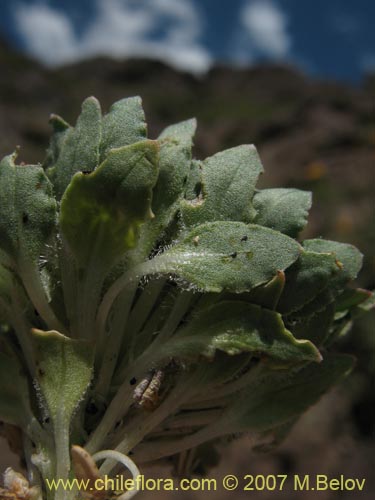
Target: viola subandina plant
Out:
[152,305]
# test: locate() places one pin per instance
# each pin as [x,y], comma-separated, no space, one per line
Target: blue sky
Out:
[329,38]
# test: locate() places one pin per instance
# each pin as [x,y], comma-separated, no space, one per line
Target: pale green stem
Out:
[62,447]
[32,282]
[88,298]
[157,265]
[141,312]
[111,345]
[115,289]
[178,311]
[144,305]
[180,308]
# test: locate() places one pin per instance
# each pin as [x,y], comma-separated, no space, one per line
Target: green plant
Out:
[151,303]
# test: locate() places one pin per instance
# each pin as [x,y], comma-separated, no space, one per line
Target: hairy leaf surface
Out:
[229,255]
[283,209]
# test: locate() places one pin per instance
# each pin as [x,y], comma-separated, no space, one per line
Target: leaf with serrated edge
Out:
[228,182]
[285,210]
[235,327]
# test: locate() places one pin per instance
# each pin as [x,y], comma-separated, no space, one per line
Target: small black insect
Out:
[233,255]
[244,238]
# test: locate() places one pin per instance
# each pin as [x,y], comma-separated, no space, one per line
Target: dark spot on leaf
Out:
[86,172]
[185,179]
[133,381]
[46,420]
[25,218]
[233,255]
[244,238]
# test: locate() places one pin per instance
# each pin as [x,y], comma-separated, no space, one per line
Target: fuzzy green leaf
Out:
[101,212]
[123,125]
[349,261]
[236,327]
[279,396]
[306,279]
[64,370]
[351,298]
[193,184]
[285,210]
[228,182]
[315,327]
[268,295]
[27,209]
[61,131]
[348,256]
[229,255]
[80,147]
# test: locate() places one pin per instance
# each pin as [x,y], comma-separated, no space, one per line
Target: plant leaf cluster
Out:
[155,302]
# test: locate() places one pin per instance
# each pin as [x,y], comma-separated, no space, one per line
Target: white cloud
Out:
[266,29]
[49,34]
[120,28]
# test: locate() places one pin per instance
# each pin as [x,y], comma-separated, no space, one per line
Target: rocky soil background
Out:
[310,134]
